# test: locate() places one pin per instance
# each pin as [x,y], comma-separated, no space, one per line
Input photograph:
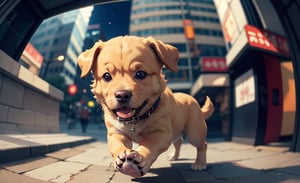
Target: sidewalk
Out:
[227,162]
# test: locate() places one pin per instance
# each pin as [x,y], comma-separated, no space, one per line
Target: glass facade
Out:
[163,19]
[61,35]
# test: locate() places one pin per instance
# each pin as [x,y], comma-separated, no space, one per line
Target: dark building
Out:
[107,21]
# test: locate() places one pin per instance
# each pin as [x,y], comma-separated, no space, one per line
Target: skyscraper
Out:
[164,19]
[107,21]
[62,36]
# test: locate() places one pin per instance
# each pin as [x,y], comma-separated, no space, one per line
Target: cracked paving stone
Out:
[57,172]
[94,174]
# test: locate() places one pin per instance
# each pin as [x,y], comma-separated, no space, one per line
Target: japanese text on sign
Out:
[266,40]
[213,64]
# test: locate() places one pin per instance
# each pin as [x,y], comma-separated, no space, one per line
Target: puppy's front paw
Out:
[130,163]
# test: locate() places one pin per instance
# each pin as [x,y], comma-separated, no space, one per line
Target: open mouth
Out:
[125,112]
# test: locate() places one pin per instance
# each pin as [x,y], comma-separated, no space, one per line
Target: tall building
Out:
[164,19]
[60,38]
[193,27]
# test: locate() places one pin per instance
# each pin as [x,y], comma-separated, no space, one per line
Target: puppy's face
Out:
[127,73]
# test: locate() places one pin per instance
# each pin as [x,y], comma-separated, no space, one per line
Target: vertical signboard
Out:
[229,27]
[244,89]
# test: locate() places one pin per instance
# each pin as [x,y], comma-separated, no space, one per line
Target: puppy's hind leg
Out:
[200,163]
[177,145]
[196,131]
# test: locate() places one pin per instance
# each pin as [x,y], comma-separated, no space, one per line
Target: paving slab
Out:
[28,164]
[213,155]
[192,176]
[229,146]
[221,170]
[57,172]
[273,161]
[64,153]
[95,156]
[267,177]
[94,174]
[7,176]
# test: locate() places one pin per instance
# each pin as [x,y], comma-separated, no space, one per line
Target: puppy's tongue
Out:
[125,112]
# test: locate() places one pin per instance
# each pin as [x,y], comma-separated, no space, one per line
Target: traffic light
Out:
[72,89]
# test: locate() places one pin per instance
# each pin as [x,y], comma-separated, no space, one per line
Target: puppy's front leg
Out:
[152,146]
[118,143]
[126,160]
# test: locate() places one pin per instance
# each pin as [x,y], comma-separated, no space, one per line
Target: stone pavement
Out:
[227,162]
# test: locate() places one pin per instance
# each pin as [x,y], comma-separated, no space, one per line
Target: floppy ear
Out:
[167,54]
[87,58]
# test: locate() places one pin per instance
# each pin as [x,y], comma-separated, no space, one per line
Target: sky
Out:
[113,17]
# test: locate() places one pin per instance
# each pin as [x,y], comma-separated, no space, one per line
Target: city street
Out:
[91,162]
[62,62]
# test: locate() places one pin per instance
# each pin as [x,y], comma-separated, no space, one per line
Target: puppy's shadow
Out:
[161,175]
[168,174]
[182,159]
[175,174]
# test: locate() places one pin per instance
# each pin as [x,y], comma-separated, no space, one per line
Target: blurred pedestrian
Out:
[84,118]
[71,115]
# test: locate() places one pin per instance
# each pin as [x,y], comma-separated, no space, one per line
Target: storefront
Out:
[257,87]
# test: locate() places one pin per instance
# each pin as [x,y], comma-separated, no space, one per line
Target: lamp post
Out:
[59,58]
[189,36]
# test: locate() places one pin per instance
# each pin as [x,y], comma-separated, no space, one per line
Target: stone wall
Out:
[28,104]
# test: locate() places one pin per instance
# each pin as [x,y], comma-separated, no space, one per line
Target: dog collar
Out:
[135,119]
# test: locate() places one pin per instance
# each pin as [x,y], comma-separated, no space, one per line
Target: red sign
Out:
[213,64]
[266,40]
[189,29]
[35,55]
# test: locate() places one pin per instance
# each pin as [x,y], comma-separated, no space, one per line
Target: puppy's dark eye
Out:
[140,75]
[107,77]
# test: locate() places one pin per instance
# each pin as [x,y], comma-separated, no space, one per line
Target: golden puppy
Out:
[138,107]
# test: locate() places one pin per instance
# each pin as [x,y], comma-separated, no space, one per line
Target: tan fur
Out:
[176,114]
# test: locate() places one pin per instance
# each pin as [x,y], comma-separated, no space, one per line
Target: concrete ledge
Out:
[28,104]
[22,74]
[15,147]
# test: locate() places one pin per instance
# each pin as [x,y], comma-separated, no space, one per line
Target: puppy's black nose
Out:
[123,96]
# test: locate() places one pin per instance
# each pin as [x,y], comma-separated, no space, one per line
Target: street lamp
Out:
[59,58]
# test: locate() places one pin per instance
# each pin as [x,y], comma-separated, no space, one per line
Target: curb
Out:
[23,149]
